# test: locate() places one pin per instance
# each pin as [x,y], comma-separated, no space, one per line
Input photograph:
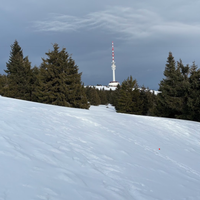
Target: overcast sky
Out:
[143,33]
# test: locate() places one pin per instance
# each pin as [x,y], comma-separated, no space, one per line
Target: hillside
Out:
[57,153]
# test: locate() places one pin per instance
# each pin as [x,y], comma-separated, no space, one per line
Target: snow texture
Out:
[56,153]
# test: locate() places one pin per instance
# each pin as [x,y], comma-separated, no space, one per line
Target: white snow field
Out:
[56,153]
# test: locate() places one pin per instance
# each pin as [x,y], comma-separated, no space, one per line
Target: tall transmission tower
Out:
[113,83]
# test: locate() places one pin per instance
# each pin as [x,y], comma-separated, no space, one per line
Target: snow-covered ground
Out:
[102,87]
[57,153]
[114,88]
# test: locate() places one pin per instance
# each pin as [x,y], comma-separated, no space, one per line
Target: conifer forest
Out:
[57,81]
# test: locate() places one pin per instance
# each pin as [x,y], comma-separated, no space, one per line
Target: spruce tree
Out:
[103,96]
[60,82]
[182,88]
[34,83]
[147,97]
[3,84]
[113,96]
[129,100]
[18,74]
[16,54]
[93,96]
[194,93]
[152,99]
[169,100]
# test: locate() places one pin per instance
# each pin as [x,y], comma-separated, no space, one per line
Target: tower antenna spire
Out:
[113,53]
[113,83]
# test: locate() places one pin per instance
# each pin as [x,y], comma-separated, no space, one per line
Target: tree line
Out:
[178,97]
[57,81]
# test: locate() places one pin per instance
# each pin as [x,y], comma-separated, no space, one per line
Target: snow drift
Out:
[57,153]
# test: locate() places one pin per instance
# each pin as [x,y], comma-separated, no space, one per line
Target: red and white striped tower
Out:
[113,83]
[113,53]
[113,66]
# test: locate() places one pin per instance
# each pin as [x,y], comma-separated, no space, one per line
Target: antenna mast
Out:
[113,54]
[113,66]
[113,83]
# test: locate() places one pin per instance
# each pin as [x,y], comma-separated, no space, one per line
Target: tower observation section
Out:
[113,83]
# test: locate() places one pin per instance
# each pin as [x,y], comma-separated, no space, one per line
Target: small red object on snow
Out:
[159,148]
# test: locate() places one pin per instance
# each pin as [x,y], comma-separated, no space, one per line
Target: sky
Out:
[57,153]
[143,32]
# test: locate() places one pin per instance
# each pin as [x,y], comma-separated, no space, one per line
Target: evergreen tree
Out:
[34,84]
[16,55]
[169,100]
[109,94]
[60,82]
[194,93]
[93,96]
[148,98]
[18,74]
[129,98]
[113,96]
[152,103]
[27,74]
[179,97]
[182,88]
[103,96]
[3,84]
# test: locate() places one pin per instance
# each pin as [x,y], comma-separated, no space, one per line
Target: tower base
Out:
[113,84]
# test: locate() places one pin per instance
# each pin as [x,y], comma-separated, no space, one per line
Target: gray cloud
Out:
[132,23]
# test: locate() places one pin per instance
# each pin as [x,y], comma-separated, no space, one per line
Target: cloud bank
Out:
[132,23]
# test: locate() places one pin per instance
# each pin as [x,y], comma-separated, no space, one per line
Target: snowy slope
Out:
[56,153]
